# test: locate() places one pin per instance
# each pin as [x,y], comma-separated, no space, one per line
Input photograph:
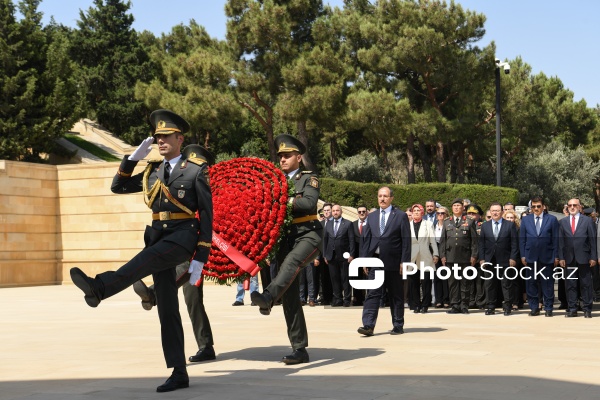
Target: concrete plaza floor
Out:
[53,346]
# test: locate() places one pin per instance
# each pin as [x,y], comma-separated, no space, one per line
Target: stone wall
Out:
[55,217]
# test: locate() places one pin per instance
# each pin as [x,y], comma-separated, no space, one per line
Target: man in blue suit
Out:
[498,246]
[577,253]
[538,242]
[387,237]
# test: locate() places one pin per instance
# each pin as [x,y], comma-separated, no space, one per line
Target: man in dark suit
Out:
[577,252]
[359,225]
[387,237]
[538,242]
[498,246]
[338,239]
[174,188]
[322,280]
[458,245]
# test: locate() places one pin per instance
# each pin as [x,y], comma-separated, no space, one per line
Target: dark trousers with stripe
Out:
[294,254]
[160,260]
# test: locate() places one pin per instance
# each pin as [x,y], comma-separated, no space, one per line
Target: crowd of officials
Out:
[564,256]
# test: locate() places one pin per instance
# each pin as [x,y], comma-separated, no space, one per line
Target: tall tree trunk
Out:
[424,154]
[333,151]
[410,158]
[440,161]
[303,137]
[460,163]
[266,122]
[453,157]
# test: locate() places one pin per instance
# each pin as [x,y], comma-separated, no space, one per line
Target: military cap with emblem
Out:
[474,208]
[458,200]
[287,143]
[197,151]
[166,122]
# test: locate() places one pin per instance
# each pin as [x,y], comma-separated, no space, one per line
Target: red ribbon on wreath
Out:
[249,214]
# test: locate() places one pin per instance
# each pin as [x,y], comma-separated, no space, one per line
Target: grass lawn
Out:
[91,148]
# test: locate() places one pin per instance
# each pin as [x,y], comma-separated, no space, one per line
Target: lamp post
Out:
[506,67]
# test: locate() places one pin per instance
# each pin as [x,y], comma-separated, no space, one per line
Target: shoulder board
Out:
[156,160]
[306,172]
[197,161]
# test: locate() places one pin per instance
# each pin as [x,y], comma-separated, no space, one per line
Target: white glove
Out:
[196,271]
[142,150]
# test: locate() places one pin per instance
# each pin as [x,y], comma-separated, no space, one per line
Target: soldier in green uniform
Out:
[174,188]
[477,299]
[193,295]
[458,245]
[300,246]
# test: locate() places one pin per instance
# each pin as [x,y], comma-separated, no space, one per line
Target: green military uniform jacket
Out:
[306,196]
[458,243]
[185,193]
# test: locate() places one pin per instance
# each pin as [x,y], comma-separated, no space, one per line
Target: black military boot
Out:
[264,301]
[146,294]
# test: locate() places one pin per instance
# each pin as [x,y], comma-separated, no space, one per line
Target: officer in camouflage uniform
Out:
[174,188]
[458,245]
[300,246]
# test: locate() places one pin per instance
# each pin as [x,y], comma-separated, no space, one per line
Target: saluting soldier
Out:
[193,295]
[458,245]
[174,188]
[300,246]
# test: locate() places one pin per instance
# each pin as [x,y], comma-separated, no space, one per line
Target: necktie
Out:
[573,225]
[360,227]
[167,171]
[456,220]
[496,229]
[537,225]
[335,227]
[382,223]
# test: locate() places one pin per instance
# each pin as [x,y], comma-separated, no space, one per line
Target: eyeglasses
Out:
[488,217]
[536,206]
[573,205]
[441,213]
[361,212]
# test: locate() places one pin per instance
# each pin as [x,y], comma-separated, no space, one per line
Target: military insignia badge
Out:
[161,124]
[314,182]
[181,194]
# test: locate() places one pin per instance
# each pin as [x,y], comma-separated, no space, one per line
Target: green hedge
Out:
[352,194]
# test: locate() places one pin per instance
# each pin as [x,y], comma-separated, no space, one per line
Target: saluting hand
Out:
[142,150]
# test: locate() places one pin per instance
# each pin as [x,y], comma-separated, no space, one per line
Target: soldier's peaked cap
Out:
[458,200]
[166,122]
[197,151]
[286,143]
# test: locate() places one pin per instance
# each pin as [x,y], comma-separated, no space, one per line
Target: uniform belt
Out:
[306,218]
[168,215]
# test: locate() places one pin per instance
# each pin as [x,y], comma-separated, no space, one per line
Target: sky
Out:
[556,37]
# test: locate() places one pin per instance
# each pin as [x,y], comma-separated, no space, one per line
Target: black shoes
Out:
[264,302]
[205,354]
[464,310]
[571,314]
[146,294]
[587,314]
[424,310]
[507,312]
[299,356]
[490,311]
[87,285]
[238,303]
[397,331]
[417,310]
[453,310]
[175,381]
[346,304]
[548,313]
[536,312]
[365,330]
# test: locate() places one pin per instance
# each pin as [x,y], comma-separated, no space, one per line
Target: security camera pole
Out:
[506,67]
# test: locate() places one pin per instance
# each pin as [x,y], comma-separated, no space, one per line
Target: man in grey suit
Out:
[337,240]
[387,237]
[577,252]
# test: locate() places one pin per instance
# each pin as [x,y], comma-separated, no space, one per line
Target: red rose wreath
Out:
[250,211]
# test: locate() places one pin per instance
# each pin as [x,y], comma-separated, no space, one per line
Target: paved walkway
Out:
[53,346]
